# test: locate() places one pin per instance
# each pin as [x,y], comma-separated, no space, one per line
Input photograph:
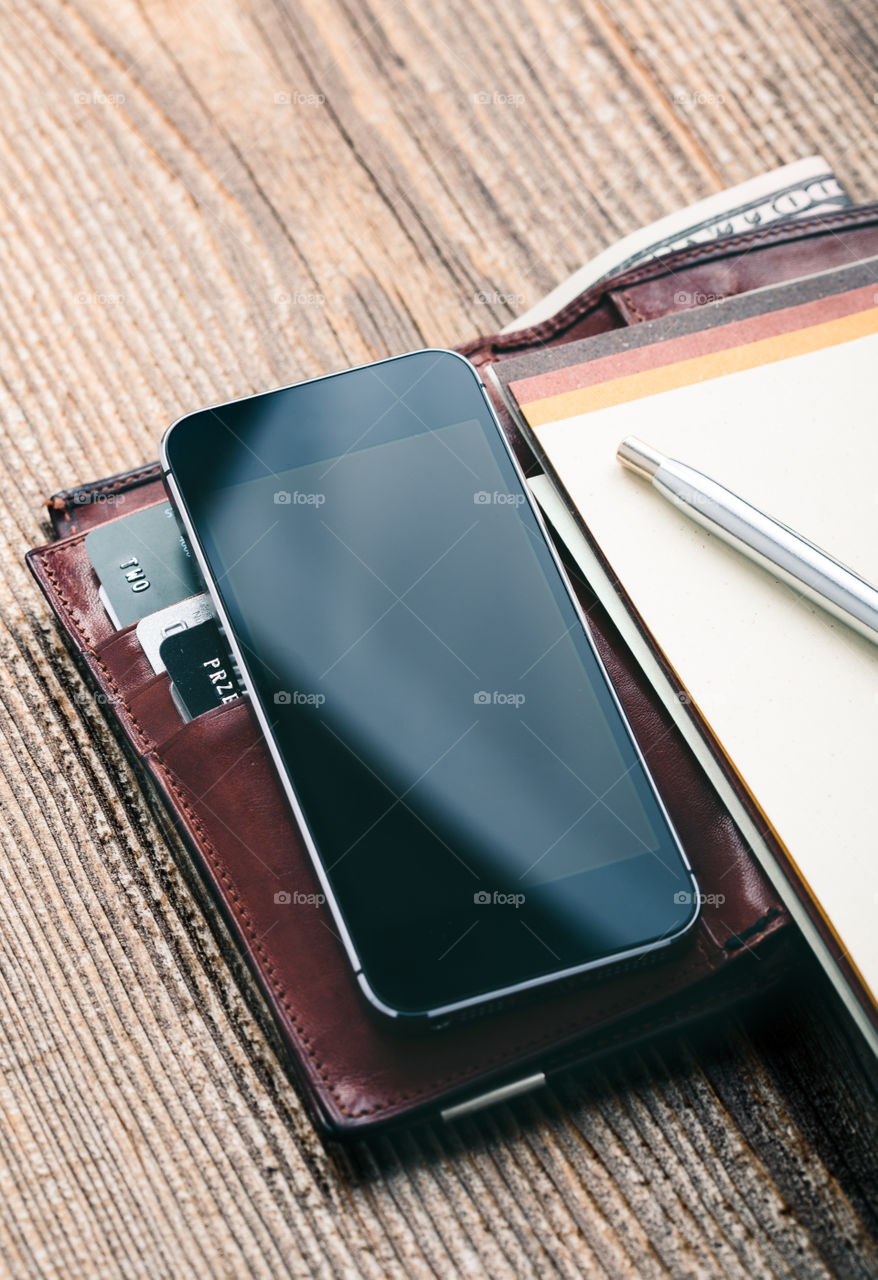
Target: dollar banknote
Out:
[804,187]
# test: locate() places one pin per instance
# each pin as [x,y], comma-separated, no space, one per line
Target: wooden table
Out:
[204,199]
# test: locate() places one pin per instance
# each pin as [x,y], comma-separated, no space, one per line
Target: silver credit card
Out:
[156,627]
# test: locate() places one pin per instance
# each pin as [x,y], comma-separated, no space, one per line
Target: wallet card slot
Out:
[123,659]
[219,769]
[233,715]
[123,654]
[150,715]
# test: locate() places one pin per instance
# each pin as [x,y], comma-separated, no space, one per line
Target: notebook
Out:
[771,394]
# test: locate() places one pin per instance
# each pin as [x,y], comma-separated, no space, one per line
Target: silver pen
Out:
[785,554]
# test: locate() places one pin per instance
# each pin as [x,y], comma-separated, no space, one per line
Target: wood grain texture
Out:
[204,199]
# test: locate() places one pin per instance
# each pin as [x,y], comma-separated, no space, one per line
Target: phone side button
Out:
[492,1096]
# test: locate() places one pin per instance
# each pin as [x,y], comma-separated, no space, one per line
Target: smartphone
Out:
[478,812]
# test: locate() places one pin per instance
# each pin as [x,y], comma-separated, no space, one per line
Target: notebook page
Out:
[791,693]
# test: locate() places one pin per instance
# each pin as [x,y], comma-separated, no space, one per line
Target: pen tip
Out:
[639,457]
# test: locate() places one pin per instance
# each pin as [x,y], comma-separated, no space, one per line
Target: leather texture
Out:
[214,778]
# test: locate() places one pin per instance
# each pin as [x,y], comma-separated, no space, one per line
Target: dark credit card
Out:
[201,669]
[143,563]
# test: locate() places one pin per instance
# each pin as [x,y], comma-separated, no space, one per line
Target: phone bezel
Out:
[443,1014]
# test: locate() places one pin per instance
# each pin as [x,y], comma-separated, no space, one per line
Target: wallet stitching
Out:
[61,501]
[685,257]
[680,259]
[631,304]
[207,846]
[129,478]
[176,784]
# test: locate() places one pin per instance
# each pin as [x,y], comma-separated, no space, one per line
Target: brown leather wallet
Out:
[356,1073]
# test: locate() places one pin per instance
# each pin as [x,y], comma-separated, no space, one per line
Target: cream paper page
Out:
[791,693]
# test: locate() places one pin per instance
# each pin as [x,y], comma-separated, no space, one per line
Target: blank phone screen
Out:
[472,790]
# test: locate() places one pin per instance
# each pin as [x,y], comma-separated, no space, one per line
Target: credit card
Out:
[156,627]
[143,563]
[203,672]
